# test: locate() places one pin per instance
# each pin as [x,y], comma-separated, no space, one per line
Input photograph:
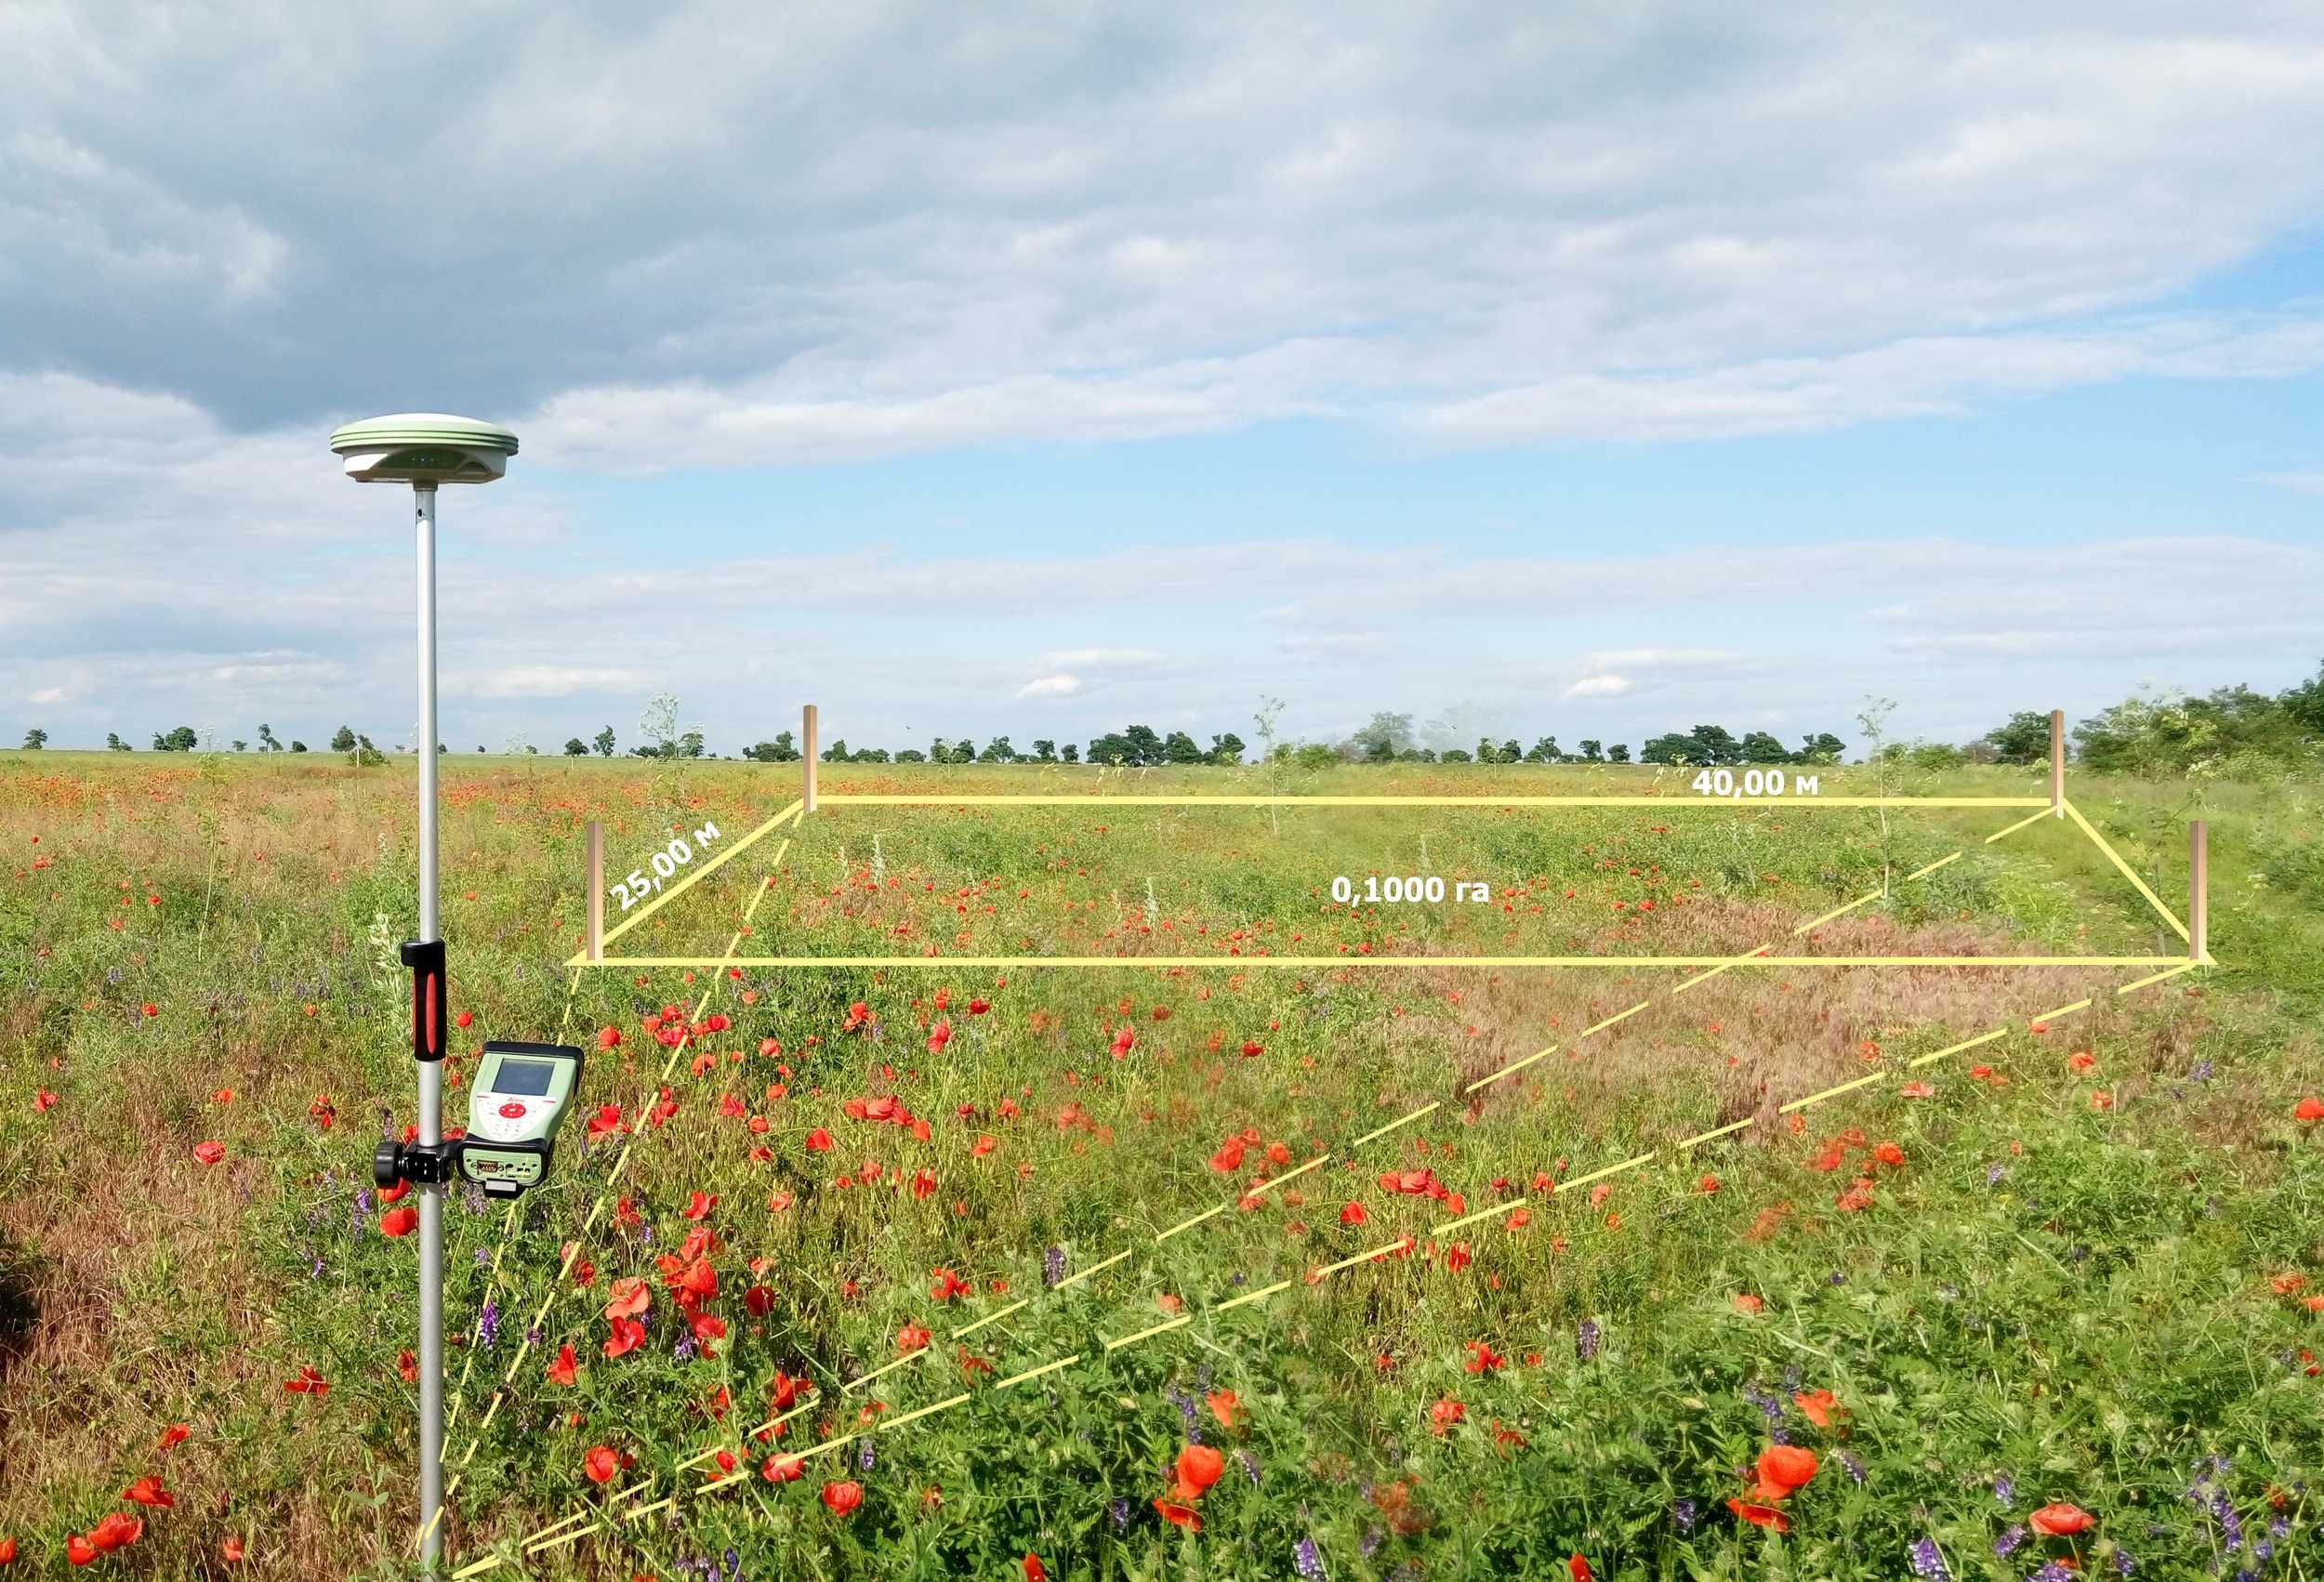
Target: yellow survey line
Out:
[1363,1257]
[1509,1070]
[1288,1175]
[964,1332]
[925,1411]
[1957,1048]
[1035,1373]
[2115,858]
[1829,1093]
[1924,873]
[1723,967]
[642,1511]
[2159,976]
[1610,1021]
[2030,818]
[1188,1225]
[704,872]
[488,1563]
[1263,1292]
[1092,1272]
[1383,1131]
[1815,922]
[1262,963]
[1181,1322]
[563,1538]
[1506,1206]
[911,1357]
[1717,1131]
[1609,1170]
[2053,1015]
[922,799]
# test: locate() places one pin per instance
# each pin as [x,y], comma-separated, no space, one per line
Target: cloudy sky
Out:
[1594,369]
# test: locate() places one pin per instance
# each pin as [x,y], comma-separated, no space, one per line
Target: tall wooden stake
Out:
[807,752]
[2057,763]
[596,891]
[2198,892]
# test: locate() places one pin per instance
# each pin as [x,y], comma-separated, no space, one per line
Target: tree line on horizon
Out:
[2236,728]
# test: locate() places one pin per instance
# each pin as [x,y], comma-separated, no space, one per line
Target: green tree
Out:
[1712,744]
[266,744]
[1592,751]
[115,744]
[871,754]
[911,755]
[689,745]
[1179,747]
[344,741]
[1044,751]
[36,739]
[1617,753]
[1381,740]
[575,748]
[362,754]
[782,750]
[297,746]
[1145,747]
[1544,750]
[997,750]
[181,740]
[1069,753]
[1669,747]
[1758,746]
[239,744]
[1113,747]
[1822,748]
[1226,747]
[835,753]
[604,743]
[2023,738]
[1454,754]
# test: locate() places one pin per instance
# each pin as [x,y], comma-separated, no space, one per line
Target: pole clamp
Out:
[428,1011]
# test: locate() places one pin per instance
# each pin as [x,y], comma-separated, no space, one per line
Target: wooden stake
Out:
[2057,763]
[596,891]
[2198,892]
[807,741]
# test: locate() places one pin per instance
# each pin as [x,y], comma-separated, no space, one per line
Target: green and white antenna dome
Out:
[424,448]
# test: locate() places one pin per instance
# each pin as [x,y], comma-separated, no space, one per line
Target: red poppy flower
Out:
[911,1337]
[948,1285]
[407,1367]
[700,1205]
[1178,1515]
[1033,1570]
[149,1491]
[1225,1406]
[1746,1302]
[1782,1469]
[560,1371]
[116,1530]
[464,1019]
[1889,1153]
[2059,1520]
[8,1551]
[176,1433]
[627,1336]
[938,1036]
[1445,1414]
[1199,1466]
[819,1141]
[758,1301]
[599,1464]
[78,1549]
[782,1468]
[1482,1358]
[2308,1110]
[308,1382]
[1817,1406]
[841,1498]
[229,1548]
[43,1101]
[209,1152]
[1124,1042]
[1577,1568]
[630,1299]
[1761,1515]
[399,1222]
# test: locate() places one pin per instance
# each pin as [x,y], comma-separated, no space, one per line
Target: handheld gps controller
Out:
[519,1099]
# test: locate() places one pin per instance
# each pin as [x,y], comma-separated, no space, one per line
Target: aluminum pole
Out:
[431,1074]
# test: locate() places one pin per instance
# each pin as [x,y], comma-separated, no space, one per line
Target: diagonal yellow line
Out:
[1471,1218]
[890,1368]
[1035,1373]
[919,799]
[1288,1175]
[925,1411]
[1509,1070]
[1183,1320]
[1924,873]
[489,1562]
[1187,1224]
[1093,1271]
[562,1538]
[1716,1131]
[1609,1170]
[1383,1131]
[1361,1257]
[1253,1296]
[1957,1048]
[2029,818]
[1834,1092]
[712,867]
[2115,858]
[1723,967]
[2062,1010]
[1835,912]
[2157,978]
[963,1333]
[1610,1021]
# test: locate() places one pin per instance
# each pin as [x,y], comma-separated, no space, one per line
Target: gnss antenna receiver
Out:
[426,450]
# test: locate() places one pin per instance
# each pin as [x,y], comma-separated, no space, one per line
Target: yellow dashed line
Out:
[1383,1131]
[1178,1323]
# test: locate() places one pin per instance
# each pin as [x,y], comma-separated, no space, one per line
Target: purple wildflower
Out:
[2122,1563]
[1053,1266]
[1682,1515]
[488,1325]
[2005,1489]
[2050,1571]
[1306,1560]
[2006,1544]
[1244,1459]
[864,1459]
[1928,1560]
[1586,1339]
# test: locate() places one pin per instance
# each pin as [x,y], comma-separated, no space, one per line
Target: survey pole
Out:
[596,892]
[431,1072]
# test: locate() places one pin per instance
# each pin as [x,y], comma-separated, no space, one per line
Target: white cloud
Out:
[1656,658]
[553,682]
[1098,658]
[1333,645]
[1051,687]
[48,694]
[1599,686]
[2298,483]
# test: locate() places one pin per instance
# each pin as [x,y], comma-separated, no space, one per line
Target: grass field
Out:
[1436,1322]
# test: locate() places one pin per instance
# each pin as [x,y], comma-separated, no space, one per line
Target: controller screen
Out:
[526,1077]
